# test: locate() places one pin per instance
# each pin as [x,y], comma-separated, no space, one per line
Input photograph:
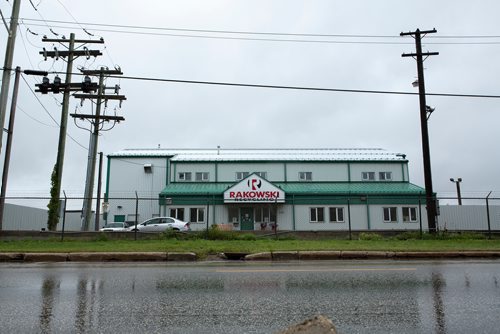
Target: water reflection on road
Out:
[359,296]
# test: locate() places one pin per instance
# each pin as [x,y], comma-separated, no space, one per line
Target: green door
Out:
[119,218]
[246,219]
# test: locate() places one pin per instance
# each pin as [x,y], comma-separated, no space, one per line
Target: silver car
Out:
[161,224]
[114,227]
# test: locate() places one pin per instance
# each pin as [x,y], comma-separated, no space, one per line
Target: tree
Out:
[53,216]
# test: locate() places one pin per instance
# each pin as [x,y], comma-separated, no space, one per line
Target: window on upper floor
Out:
[185,176]
[385,176]
[368,176]
[262,174]
[201,176]
[390,214]
[316,215]
[305,176]
[337,215]
[241,175]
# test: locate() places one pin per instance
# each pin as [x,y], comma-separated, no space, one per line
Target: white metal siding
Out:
[358,168]
[127,175]
[179,167]
[468,217]
[227,171]
[321,172]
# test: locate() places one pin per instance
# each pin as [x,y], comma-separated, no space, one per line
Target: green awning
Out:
[300,188]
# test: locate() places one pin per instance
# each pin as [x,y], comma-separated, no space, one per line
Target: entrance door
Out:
[246,219]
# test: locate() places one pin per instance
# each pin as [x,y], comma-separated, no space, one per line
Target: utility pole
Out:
[9,55]
[70,54]
[419,56]
[98,200]
[6,163]
[10,133]
[96,121]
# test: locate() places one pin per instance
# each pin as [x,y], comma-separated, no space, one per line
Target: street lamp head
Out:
[459,179]
[452,179]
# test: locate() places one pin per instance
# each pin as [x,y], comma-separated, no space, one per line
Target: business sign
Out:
[254,189]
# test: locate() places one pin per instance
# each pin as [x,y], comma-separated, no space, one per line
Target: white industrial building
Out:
[255,189]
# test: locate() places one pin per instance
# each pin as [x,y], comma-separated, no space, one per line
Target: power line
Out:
[303,88]
[262,33]
[321,89]
[255,32]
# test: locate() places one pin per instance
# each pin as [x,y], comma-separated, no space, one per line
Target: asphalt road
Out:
[358,296]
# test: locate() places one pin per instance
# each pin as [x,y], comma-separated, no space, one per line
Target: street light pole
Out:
[457,182]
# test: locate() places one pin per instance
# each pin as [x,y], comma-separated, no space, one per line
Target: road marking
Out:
[310,270]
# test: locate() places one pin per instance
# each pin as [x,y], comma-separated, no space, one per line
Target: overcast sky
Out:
[463,131]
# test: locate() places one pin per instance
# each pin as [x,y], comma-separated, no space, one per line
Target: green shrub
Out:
[247,237]
[370,236]
[411,235]
[101,237]
[214,233]
[463,236]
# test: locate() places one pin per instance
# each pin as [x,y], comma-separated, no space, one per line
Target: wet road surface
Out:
[359,297]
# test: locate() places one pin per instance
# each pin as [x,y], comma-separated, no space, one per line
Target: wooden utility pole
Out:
[96,120]
[9,55]
[419,56]
[71,53]
[10,131]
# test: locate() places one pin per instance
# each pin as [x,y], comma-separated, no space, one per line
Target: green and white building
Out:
[257,189]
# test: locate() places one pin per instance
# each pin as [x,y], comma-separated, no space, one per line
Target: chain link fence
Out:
[336,214]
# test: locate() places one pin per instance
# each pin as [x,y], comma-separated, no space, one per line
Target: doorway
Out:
[246,219]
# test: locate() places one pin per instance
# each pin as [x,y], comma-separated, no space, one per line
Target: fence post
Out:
[136,213]
[420,216]
[349,216]
[64,215]
[208,215]
[488,214]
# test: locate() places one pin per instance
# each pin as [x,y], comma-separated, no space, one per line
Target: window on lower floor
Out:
[390,214]
[409,214]
[233,214]
[337,215]
[196,215]
[265,215]
[317,215]
[177,213]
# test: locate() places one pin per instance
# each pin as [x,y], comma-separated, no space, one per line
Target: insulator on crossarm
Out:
[87,53]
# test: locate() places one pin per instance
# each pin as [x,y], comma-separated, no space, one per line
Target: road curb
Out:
[262,256]
[99,257]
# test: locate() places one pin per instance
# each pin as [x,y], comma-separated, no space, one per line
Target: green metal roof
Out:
[301,188]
